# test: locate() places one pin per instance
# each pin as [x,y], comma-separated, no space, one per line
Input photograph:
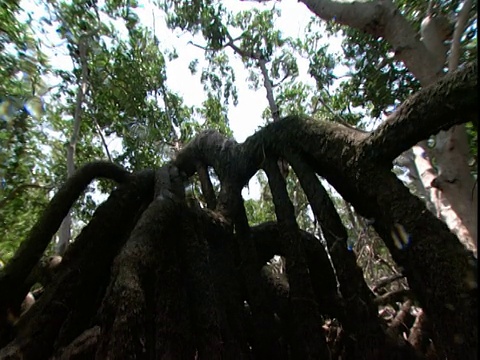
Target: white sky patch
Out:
[246,117]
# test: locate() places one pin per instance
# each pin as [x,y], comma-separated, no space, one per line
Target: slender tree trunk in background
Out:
[354,221]
[456,185]
[64,232]
[452,152]
[420,161]
[272,104]
[407,160]
[268,84]
[453,191]
[269,88]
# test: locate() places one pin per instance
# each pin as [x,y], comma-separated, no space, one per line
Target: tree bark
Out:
[452,197]
[361,173]
[148,270]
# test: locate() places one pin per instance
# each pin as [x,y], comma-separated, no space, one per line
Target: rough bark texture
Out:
[155,277]
[450,188]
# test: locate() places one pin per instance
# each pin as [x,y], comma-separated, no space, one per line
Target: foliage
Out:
[128,100]
[23,181]
[113,82]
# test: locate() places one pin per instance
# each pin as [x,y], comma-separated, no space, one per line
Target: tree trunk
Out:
[454,184]
[151,277]
[64,233]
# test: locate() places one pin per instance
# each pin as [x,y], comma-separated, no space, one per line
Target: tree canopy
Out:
[125,228]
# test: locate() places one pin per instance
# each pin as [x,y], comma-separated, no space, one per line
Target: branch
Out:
[451,101]
[269,88]
[457,34]
[105,146]
[287,74]
[240,51]
[200,46]
[32,248]
[394,296]
[385,281]
[439,106]
[207,187]
[382,19]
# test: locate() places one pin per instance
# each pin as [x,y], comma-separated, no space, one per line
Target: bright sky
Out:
[245,118]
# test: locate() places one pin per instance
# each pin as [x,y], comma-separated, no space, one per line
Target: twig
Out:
[393,296]
[385,281]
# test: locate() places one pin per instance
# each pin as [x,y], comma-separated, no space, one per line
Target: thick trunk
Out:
[163,280]
[416,240]
[425,58]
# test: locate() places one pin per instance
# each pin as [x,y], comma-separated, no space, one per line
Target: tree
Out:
[24,183]
[444,176]
[154,276]
[393,49]
[116,89]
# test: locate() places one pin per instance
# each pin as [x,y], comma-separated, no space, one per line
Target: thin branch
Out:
[105,145]
[457,35]
[385,281]
[287,74]
[200,46]
[338,117]
[240,51]
[394,296]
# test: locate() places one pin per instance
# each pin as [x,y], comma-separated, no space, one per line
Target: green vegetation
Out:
[83,81]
